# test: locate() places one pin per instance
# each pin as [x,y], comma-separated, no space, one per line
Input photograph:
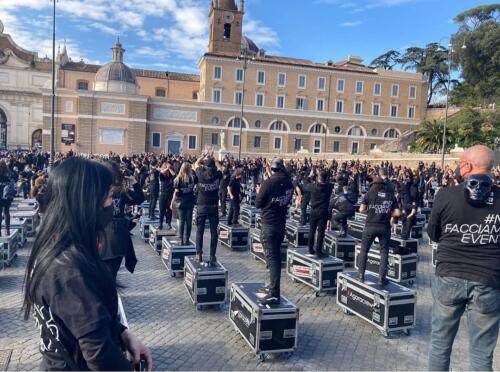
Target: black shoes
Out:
[382,282]
[268,299]
[212,262]
[199,257]
[311,252]
[320,254]
[160,227]
[361,277]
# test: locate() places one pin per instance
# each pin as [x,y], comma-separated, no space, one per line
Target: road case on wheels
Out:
[156,235]
[402,269]
[399,245]
[417,231]
[340,246]
[390,308]
[144,224]
[318,273]
[247,216]
[174,254]
[296,234]
[233,236]
[22,226]
[205,285]
[355,229]
[32,218]
[267,329]
[8,247]
[257,250]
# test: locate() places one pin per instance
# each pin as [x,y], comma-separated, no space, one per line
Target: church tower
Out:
[226,27]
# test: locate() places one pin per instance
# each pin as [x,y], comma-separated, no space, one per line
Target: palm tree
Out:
[429,136]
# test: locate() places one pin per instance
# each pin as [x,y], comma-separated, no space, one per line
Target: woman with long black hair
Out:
[184,200]
[117,242]
[67,286]
[7,194]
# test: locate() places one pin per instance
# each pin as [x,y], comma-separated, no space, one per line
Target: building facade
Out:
[22,78]
[264,104]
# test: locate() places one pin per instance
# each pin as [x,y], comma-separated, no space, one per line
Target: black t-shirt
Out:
[235,187]
[468,237]
[185,196]
[320,196]
[208,186]
[166,183]
[226,177]
[380,205]
[273,198]
[81,306]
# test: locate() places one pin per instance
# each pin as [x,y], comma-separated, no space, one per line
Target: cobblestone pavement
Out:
[183,338]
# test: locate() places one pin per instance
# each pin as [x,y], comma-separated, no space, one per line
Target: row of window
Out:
[156,141]
[302,104]
[321,83]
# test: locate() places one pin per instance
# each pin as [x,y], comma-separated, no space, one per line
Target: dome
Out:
[227,5]
[249,46]
[116,76]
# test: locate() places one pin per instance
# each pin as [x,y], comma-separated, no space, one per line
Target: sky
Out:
[172,35]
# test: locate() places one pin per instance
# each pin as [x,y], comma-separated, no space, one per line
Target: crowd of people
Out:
[90,206]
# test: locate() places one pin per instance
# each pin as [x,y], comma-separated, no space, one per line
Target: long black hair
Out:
[75,194]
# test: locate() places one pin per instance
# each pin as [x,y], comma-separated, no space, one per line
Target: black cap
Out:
[210,162]
[277,165]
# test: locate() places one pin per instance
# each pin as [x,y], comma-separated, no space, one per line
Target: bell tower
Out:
[226,27]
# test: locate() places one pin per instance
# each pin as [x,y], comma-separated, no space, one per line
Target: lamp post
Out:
[245,58]
[52,117]
[448,83]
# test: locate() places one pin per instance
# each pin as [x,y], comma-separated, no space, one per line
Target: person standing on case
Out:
[344,205]
[465,222]
[380,206]
[408,208]
[273,198]
[184,199]
[303,196]
[209,179]
[226,177]
[234,192]
[154,189]
[321,192]
[167,175]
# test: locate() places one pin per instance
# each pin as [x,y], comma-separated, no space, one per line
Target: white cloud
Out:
[107,29]
[263,36]
[351,24]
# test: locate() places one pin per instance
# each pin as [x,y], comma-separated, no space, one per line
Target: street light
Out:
[52,118]
[450,51]
[245,57]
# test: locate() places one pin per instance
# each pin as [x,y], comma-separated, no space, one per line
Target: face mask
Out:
[104,217]
[478,189]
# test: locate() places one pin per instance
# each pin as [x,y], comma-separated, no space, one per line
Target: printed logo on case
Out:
[289,333]
[166,254]
[408,319]
[257,248]
[224,234]
[188,279]
[220,290]
[302,271]
[201,291]
[266,335]
[393,321]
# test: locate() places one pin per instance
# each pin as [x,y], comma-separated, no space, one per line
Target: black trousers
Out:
[383,233]
[223,201]
[272,238]
[165,210]
[317,223]
[185,224]
[152,205]
[340,219]
[234,212]
[303,212]
[408,223]
[202,214]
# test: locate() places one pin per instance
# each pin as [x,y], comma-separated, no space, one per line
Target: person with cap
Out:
[209,178]
[465,222]
[273,198]
[344,204]
[380,206]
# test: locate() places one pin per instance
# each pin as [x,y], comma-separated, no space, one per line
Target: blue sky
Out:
[173,34]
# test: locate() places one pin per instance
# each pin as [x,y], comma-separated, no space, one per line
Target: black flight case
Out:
[340,247]
[417,231]
[156,235]
[296,213]
[390,308]
[174,254]
[257,250]
[318,273]
[398,245]
[402,269]
[247,215]
[234,237]
[205,285]
[267,329]
[355,229]
[296,234]
[8,247]
[32,218]
[22,226]
[144,224]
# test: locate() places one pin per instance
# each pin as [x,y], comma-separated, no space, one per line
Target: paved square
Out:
[183,338]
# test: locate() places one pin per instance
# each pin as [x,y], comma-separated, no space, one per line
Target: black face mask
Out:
[458,176]
[478,189]
[104,218]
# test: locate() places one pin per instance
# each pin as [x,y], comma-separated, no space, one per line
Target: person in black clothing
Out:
[408,209]
[154,189]
[167,174]
[381,206]
[234,191]
[184,199]
[273,198]
[465,222]
[208,186]
[321,192]
[303,195]
[226,178]
[67,286]
[7,194]
[345,209]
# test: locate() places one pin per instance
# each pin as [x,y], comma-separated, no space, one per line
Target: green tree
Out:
[430,61]
[387,61]
[466,127]
[429,137]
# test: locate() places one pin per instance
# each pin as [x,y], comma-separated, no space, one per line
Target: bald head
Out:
[477,159]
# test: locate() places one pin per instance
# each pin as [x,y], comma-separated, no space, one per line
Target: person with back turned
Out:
[465,222]
[380,206]
[273,198]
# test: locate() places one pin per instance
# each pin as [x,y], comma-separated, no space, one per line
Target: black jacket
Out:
[274,196]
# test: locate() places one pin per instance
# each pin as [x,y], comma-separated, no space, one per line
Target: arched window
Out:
[235,123]
[258,124]
[318,128]
[160,92]
[278,125]
[355,132]
[391,133]
[298,127]
[374,131]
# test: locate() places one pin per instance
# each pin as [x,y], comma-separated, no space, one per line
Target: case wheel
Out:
[199,307]
[262,357]
[346,312]
[316,294]
[294,280]
[385,334]
[172,275]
